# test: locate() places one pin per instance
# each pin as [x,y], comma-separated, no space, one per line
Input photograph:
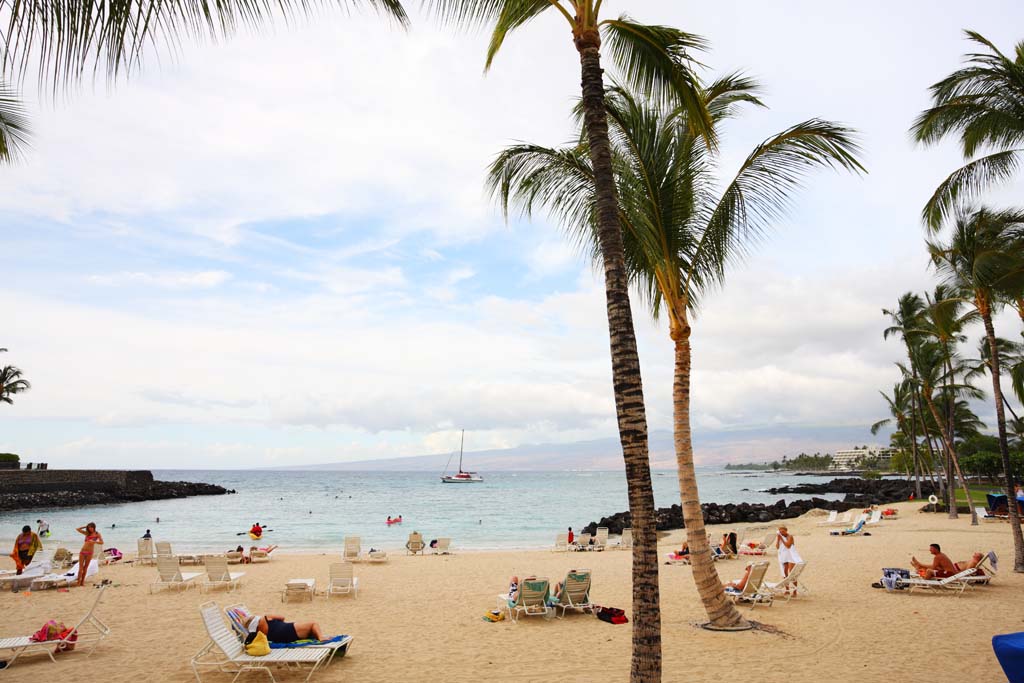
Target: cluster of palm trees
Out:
[978,254]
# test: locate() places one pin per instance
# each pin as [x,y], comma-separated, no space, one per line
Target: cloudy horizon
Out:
[279,250]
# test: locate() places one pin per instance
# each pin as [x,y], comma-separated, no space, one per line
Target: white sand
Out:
[419,618]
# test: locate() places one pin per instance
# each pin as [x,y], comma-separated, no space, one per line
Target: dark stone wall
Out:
[136,482]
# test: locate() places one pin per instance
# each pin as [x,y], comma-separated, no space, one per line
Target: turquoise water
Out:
[315,510]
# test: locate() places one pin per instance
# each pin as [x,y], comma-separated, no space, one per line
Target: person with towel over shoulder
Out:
[788,555]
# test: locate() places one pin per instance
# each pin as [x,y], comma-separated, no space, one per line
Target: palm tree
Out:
[71,39]
[906,318]
[982,103]
[901,410]
[679,233]
[11,382]
[983,260]
[654,60]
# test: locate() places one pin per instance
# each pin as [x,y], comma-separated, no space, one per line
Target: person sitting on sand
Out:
[277,630]
[25,547]
[940,568]
[740,583]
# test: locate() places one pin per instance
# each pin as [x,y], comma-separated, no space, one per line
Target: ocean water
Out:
[313,511]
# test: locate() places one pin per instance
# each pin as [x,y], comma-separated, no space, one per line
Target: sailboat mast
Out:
[462,441]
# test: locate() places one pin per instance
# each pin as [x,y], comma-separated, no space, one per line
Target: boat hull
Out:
[463,480]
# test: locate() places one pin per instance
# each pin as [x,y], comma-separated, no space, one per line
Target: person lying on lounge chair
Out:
[277,630]
[972,563]
[940,568]
[740,583]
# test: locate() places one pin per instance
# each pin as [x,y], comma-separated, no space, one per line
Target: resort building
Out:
[845,461]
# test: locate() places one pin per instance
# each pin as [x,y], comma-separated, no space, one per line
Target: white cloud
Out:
[206,279]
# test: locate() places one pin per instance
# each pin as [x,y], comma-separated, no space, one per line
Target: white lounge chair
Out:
[531,599]
[40,565]
[575,592]
[788,587]
[843,519]
[146,553]
[226,653]
[561,542]
[414,545]
[259,555]
[753,591]
[60,579]
[601,538]
[876,518]
[342,581]
[84,637]
[987,567]
[582,542]
[985,515]
[299,588]
[218,575]
[352,551]
[831,518]
[626,540]
[443,547]
[239,614]
[954,583]
[171,576]
[163,549]
[757,547]
[234,556]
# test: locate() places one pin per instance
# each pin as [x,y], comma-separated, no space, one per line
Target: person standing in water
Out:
[92,537]
[42,528]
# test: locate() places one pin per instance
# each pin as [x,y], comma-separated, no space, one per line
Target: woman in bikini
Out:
[92,537]
[277,630]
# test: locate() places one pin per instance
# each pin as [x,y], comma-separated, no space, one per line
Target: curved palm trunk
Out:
[913,441]
[948,442]
[951,456]
[1004,451]
[629,398]
[722,614]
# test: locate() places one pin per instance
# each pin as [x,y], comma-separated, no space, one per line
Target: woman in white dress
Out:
[788,555]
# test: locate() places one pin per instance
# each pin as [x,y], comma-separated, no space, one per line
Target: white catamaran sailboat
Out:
[461,477]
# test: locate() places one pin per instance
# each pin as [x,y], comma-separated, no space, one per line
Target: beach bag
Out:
[256,644]
[891,577]
[494,615]
[613,615]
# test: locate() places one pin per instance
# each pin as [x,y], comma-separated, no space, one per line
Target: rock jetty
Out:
[860,493]
[159,490]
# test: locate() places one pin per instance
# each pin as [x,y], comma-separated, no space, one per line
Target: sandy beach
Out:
[420,617]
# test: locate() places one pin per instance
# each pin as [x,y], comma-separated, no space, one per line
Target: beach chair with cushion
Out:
[260,554]
[984,572]
[226,653]
[788,587]
[218,575]
[239,616]
[342,581]
[234,556]
[582,542]
[163,549]
[757,547]
[574,592]
[375,555]
[626,540]
[171,576]
[146,553]
[561,543]
[831,518]
[443,547]
[414,545]
[601,538]
[754,591]
[953,583]
[531,599]
[856,530]
[353,549]
[84,637]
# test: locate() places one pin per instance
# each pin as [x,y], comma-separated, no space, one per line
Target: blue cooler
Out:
[1009,651]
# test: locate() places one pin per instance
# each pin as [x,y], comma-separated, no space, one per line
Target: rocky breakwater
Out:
[74,497]
[859,493]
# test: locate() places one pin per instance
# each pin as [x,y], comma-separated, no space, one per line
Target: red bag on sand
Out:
[612,615]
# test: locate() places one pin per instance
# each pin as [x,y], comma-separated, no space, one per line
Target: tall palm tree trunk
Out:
[913,441]
[949,441]
[722,614]
[1004,451]
[629,397]
[936,477]
[950,456]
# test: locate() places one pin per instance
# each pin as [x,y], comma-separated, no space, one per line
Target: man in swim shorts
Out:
[940,568]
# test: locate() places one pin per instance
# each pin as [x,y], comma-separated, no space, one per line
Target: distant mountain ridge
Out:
[710,448]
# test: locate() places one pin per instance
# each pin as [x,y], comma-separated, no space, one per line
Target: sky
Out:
[279,250]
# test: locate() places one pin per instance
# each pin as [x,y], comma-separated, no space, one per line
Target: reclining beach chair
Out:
[217,574]
[234,556]
[146,553]
[876,518]
[171,576]
[575,592]
[561,542]
[531,599]
[353,549]
[61,579]
[985,515]
[788,587]
[759,548]
[239,614]
[41,565]
[626,540]
[342,581]
[260,554]
[443,547]
[415,544]
[987,567]
[84,637]
[226,653]
[163,549]
[831,518]
[754,591]
[954,583]
[298,588]
[601,538]
[582,542]
[843,520]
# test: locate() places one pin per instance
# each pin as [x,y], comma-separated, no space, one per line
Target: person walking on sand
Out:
[788,555]
[92,537]
[940,568]
[25,546]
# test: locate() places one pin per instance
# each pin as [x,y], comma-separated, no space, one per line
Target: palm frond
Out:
[967,182]
[14,126]
[513,14]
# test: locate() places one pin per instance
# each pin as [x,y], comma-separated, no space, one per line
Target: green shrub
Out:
[871,474]
[9,457]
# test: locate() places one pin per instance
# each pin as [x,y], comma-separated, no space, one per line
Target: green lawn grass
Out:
[977,495]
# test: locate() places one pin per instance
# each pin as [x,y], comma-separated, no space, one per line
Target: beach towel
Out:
[1009,651]
[307,643]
